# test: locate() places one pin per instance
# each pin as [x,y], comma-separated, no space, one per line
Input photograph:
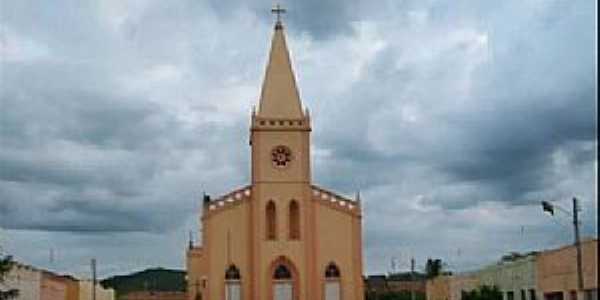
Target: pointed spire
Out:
[279,96]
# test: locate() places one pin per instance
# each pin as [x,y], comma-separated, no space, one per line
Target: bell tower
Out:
[280,130]
[281,177]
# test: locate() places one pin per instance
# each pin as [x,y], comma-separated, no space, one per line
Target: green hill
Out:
[157,279]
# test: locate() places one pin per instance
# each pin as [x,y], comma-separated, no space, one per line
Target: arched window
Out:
[271,216]
[294,218]
[233,284]
[332,282]
[332,271]
[232,273]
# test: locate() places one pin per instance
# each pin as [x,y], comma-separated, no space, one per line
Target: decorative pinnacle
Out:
[278,10]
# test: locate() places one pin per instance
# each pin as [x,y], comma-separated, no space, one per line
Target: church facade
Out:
[281,237]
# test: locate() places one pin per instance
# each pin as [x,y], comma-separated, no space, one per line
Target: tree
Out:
[6,264]
[484,292]
[433,267]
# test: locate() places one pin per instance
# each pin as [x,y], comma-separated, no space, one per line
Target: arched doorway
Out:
[284,280]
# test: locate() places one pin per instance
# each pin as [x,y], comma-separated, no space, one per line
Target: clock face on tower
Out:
[281,156]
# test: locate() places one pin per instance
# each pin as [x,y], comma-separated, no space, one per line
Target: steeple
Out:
[279,96]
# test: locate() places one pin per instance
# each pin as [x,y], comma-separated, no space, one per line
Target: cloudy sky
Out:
[453,118]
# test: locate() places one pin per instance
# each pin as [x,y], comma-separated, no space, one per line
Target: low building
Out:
[408,286]
[450,287]
[86,289]
[26,279]
[514,275]
[154,295]
[557,272]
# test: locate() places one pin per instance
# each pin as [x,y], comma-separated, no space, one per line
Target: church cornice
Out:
[227,201]
[336,201]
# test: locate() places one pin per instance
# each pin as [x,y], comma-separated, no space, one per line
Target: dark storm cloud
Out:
[321,19]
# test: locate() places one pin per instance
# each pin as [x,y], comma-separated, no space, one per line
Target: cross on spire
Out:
[278,10]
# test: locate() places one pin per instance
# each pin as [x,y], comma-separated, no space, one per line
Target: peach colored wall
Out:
[556,269]
[298,170]
[337,234]
[52,287]
[269,251]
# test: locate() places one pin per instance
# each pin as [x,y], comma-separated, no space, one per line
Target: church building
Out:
[281,237]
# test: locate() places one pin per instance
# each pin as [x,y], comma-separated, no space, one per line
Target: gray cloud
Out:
[453,120]
[502,135]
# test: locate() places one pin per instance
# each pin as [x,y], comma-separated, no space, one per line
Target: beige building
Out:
[514,276]
[557,273]
[85,291]
[281,237]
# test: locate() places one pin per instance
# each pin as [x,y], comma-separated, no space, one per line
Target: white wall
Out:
[25,279]
[514,276]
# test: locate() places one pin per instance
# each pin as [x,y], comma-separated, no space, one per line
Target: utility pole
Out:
[549,207]
[412,276]
[577,245]
[93,279]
